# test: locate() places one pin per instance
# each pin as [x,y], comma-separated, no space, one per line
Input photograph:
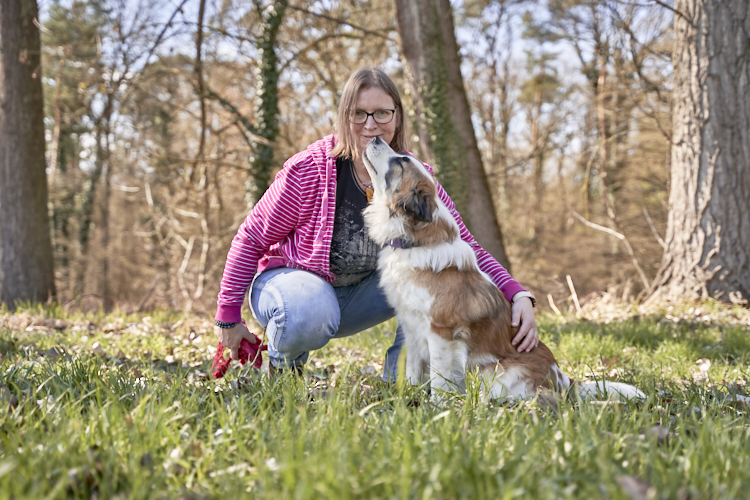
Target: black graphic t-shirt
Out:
[354,256]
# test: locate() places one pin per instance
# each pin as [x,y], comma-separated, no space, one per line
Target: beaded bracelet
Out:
[224,324]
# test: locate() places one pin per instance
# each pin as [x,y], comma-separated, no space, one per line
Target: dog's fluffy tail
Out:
[604,389]
[599,389]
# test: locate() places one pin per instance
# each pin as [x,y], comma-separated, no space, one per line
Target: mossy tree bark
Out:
[266,103]
[708,232]
[27,262]
[429,45]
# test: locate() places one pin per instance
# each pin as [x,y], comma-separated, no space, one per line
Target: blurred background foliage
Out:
[165,121]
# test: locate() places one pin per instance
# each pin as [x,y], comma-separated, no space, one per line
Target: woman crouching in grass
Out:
[304,252]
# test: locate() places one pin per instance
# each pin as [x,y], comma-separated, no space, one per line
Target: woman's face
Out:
[372,100]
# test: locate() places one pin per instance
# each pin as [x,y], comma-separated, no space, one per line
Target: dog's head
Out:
[401,182]
[404,203]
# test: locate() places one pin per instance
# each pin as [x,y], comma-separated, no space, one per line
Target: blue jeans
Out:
[302,312]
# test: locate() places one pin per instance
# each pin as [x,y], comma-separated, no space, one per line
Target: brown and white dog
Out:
[453,317]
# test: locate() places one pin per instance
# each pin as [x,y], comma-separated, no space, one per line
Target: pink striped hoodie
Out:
[292,226]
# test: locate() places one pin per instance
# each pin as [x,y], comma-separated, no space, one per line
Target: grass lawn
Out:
[116,406]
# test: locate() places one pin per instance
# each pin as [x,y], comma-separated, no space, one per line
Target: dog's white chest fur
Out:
[412,305]
[429,355]
[402,293]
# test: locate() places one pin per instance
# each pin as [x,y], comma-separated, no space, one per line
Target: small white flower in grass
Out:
[558,435]
[271,464]
[568,447]
[701,374]
[239,469]
[98,349]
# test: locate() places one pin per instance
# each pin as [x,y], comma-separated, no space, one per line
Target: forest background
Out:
[165,120]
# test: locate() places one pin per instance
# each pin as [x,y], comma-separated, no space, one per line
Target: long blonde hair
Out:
[365,78]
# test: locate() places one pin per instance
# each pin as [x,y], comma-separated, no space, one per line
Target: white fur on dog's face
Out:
[379,158]
[376,157]
[405,201]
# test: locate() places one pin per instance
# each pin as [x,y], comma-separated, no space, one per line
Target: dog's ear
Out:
[419,205]
[390,175]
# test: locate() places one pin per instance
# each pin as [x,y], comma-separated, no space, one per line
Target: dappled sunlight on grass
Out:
[123,406]
[658,349]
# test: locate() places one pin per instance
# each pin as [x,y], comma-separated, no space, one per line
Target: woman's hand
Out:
[231,338]
[522,313]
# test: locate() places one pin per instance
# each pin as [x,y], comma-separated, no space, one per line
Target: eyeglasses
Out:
[381,116]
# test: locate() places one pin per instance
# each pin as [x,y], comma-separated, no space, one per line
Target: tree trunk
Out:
[429,45]
[708,231]
[506,115]
[27,261]
[89,197]
[55,153]
[266,104]
[537,185]
[109,302]
[199,164]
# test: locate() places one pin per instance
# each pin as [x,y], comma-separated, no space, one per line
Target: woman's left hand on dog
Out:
[522,317]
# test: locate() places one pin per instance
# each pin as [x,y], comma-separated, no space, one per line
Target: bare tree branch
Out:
[240,119]
[340,21]
[181,274]
[669,7]
[164,31]
[653,229]
[620,237]
[199,77]
[574,295]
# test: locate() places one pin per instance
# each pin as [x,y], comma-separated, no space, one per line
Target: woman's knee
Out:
[299,310]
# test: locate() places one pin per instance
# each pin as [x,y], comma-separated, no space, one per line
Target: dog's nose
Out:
[376,141]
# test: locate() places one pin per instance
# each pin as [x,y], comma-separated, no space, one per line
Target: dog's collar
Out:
[401,243]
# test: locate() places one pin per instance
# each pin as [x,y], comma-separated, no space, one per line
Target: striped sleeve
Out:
[487,262]
[272,219]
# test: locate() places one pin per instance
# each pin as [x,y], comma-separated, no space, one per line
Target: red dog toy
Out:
[248,352]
